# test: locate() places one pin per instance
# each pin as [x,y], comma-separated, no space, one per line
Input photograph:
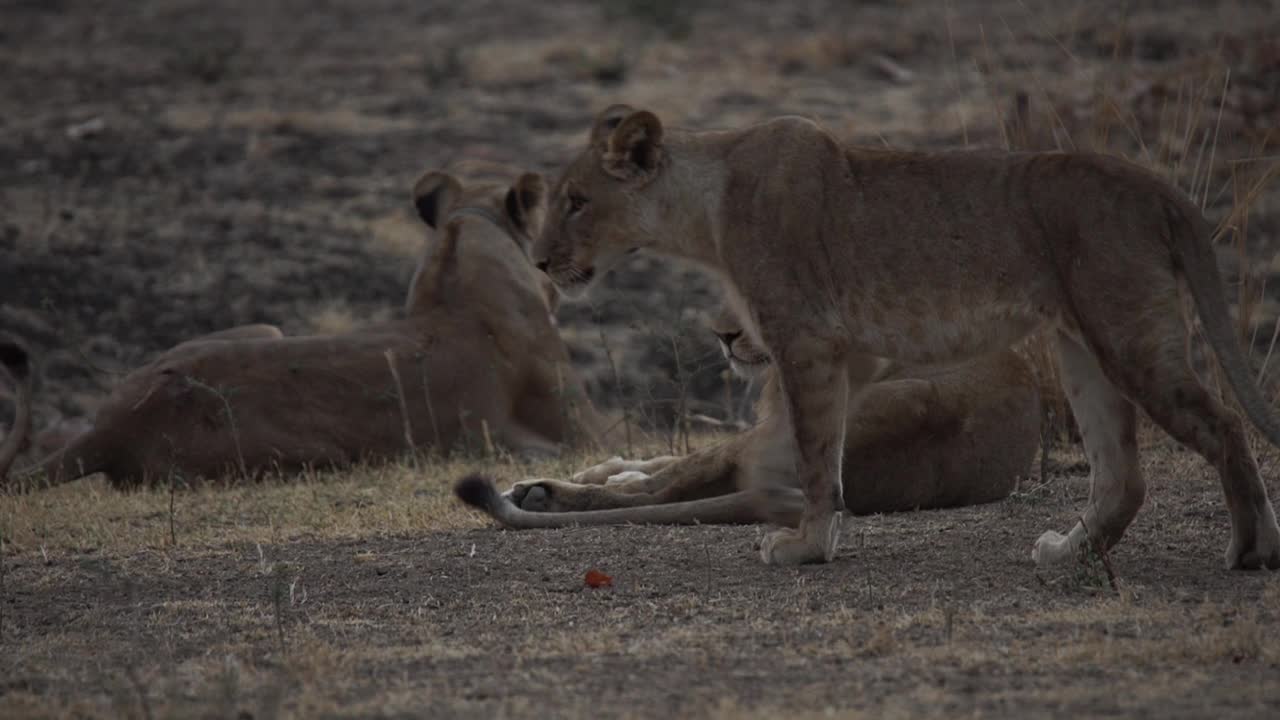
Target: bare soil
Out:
[921,614]
[169,168]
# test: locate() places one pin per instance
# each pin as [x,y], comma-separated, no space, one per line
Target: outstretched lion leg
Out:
[1108,425]
[736,507]
[708,472]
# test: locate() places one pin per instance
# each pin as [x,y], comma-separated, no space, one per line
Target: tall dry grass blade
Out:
[1047,101]
[487,438]
[1132,128]
[431,408]
[617,384]
[1045,33]
[955,74]
[1261,301]
[1217,126]
[1266,359]
[231,420]
[404,405]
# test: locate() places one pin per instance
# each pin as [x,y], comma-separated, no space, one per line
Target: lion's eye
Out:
[576,203]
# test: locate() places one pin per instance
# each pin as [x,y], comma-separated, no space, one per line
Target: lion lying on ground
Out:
[835,256]
[475,360]
[919,438]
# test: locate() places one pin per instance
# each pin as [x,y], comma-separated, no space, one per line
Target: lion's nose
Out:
[542,265]
[727,338]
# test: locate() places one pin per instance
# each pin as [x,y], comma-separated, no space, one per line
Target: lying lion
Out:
[834,256]
[919,438]
[476,360]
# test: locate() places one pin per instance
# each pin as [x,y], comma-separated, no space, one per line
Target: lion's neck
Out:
[694,184]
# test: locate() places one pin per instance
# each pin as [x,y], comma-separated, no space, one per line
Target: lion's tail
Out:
[1193,251]
[480,492]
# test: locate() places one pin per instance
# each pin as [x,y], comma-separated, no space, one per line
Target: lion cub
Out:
[836,256]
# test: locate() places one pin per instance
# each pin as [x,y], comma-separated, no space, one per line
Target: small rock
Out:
[890,68]
[87,129]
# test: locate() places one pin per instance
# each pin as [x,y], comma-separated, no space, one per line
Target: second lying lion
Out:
[921,438]
[475,359]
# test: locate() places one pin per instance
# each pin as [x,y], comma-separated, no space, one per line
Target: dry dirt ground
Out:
[372,593]
[172,168]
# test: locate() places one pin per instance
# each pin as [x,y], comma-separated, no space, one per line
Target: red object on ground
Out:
[597,579]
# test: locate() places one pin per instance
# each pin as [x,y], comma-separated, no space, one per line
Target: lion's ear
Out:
[607,121]
[524,201]
[432,196]
[634,147]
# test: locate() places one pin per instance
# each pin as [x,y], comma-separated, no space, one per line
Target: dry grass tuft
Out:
[375,500]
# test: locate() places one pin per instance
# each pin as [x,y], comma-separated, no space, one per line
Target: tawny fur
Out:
[476,356]
[834,256]
[920,438]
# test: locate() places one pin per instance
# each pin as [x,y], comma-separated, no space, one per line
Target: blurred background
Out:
[170,168]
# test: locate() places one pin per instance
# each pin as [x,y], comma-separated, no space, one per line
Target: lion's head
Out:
[610,201]
[747,360]
[513,213]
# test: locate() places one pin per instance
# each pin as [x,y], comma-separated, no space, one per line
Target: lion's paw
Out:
[1260,551]
[1052,548]
[792,547]
[531,495]
[626,477]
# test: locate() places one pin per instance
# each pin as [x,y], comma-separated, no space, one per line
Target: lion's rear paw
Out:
[531,495]
[1262,552]
[1053,548]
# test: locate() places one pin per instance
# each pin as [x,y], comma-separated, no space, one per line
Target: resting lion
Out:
[919,438]
[476,359]
[835,256]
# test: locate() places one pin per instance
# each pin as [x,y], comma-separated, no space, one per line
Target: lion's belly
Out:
[941,332]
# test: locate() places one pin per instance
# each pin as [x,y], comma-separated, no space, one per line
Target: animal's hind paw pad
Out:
[533,496]
[536,500]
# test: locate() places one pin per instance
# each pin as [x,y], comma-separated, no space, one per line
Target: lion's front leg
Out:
[816,388]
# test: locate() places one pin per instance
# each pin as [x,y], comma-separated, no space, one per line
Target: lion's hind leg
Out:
[1175,399]
[708,472]
[549,495]
[1108,425]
